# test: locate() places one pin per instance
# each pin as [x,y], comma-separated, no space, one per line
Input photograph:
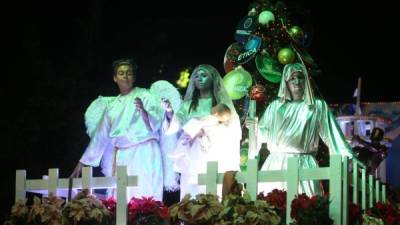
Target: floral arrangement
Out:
[19,213]
[111,205]
[45,211]
[85,209]
[386,212]
[304,210]
[370,220]
[203,210]
[310,211]
[277,199]
[147,211]
[355,214]
[242,211]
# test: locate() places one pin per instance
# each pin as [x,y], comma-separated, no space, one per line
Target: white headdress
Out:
[284,93]
[219,92]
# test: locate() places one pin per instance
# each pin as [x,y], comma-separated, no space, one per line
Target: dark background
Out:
[58,58]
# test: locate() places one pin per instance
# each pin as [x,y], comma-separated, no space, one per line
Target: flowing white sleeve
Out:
[98,144]
[331,133]
[263,128]
[95,113]
[153,109]
[169,133]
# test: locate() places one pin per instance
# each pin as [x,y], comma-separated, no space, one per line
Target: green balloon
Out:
[237,83]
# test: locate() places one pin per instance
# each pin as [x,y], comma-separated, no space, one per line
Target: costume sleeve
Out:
[180,117]
[94,114]
[263,128]
[153,109]
[98,144]
[169,133]
[168,143]
[331,133]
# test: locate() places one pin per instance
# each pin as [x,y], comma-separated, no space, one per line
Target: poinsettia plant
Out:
[147,211]
[355,214]
[45,211]
[387,212]
[86,209]
[277,199]
[111,205]
[202,210]
[240,210]
[19,213]
[310,210]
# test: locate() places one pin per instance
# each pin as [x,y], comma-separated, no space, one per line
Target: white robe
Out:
[293,129]
[223,146]
[123,128]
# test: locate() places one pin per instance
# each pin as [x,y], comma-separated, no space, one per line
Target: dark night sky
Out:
[59,59]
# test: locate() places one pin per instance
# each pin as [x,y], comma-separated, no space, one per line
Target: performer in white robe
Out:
[204,91]
[128,134]
[205,139]
[292,125]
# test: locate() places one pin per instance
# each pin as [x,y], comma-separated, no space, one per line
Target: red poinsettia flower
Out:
[354,213]
[310,211]
[146,209]
[276,198]
[111,205]
[385,211]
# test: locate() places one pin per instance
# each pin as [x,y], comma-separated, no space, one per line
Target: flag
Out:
[355,93]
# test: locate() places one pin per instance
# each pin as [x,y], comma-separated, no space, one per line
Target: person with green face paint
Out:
[292,125]
[204,92]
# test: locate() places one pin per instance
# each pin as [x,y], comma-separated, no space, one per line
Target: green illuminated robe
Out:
[292,129]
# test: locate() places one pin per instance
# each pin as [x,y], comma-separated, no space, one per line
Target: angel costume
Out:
[292,129]
[121,137]
[228,157]
[162,90]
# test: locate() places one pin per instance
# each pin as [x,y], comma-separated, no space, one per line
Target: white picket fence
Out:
[376,190]
[336,173]
[53,184]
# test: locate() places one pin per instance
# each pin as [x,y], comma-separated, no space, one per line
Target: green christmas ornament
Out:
[253,12]
[286,56]
[265,17]
[268,67]
[237,83]
[296,33]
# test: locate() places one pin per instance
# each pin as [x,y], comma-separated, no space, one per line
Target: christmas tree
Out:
[266,39]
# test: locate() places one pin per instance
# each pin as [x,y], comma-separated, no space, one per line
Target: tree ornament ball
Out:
[252,12]
[296,33]
[266,17]
[237,83]
[259,97]
[257,93]
[286,56]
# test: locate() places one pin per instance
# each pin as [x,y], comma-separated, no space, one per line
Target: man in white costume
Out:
[127,134]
